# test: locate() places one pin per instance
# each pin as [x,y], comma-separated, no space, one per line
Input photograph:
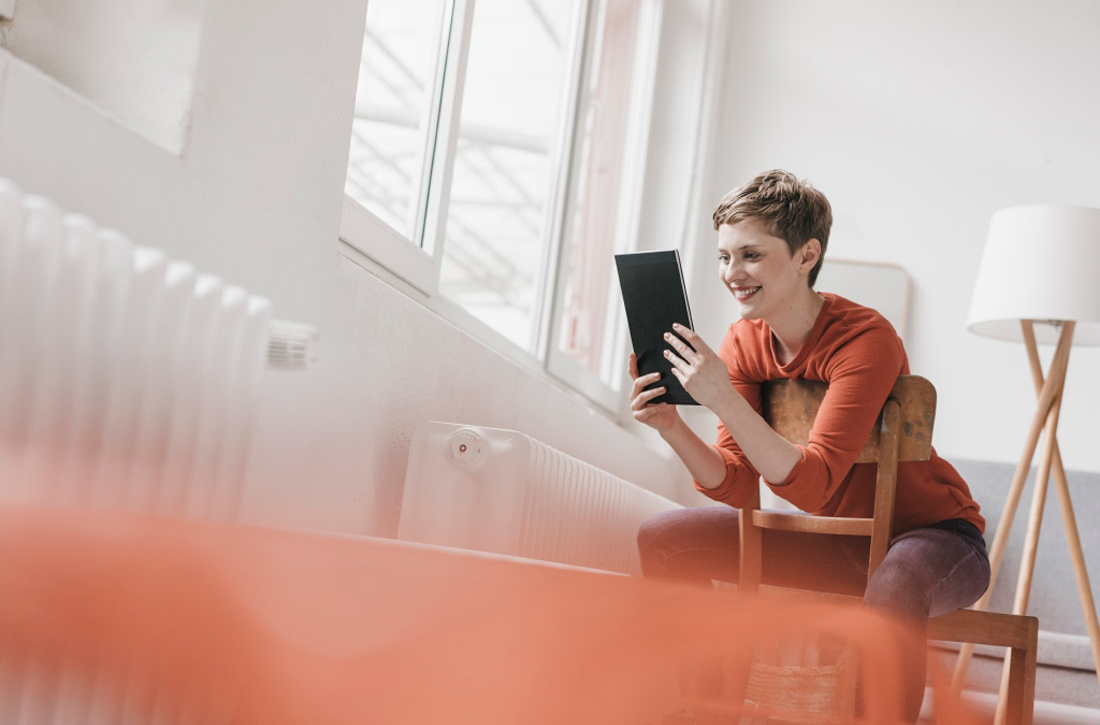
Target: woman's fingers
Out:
[677,361]
[640,400]
[641,382]
[697,345]
[691,336]
[678,345]
[650,411]
[679,374]
[692,352]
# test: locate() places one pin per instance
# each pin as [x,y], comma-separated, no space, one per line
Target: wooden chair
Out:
[903,433]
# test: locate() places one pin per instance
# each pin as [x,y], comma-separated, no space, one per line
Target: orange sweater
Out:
[858,353]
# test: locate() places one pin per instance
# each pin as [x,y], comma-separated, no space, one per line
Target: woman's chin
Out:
[748,312]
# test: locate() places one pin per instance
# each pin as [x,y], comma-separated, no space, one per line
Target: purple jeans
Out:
[927,571]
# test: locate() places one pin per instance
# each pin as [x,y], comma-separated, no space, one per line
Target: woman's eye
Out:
[751,255]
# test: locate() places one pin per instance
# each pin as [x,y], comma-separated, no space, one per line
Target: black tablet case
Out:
[654,295]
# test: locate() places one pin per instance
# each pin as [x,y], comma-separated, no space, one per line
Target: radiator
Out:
[127,380]
[504,492]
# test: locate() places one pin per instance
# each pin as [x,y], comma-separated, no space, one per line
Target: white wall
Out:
[918,120]
[255,198]
[144,56]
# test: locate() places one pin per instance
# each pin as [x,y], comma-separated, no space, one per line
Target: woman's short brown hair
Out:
[791,209]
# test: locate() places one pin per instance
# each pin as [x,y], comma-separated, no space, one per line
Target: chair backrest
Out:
[903,432]
[790,407]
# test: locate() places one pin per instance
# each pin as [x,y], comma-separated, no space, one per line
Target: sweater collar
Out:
[811,339]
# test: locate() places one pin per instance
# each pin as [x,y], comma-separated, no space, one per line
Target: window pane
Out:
[594,233]
[505,163]
[393,110]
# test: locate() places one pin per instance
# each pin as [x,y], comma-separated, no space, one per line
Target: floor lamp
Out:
[1037,283]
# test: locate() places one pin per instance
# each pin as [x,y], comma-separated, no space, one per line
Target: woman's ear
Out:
[809,254]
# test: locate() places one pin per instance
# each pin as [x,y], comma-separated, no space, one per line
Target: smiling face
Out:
[767,281]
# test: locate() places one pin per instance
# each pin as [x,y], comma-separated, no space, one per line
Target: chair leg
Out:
[1018,707]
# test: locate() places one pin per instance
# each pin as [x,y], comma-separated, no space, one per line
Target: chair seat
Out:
[994,628]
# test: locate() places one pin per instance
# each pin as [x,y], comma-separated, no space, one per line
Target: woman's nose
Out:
[730,273]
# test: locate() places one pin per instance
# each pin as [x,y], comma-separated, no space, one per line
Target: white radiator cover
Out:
[127,379]
[501,491]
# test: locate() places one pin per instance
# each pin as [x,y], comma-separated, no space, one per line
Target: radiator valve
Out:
[291,345]
[465,446]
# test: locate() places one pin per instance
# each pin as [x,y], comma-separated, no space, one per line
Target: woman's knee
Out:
[652,535]
[900,587]
[674,544]
[656,533]
[928,572]
[688,526]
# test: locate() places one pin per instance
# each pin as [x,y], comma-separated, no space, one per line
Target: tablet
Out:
[654,295]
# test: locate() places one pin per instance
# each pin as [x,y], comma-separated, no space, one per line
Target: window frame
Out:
[417,263]
[559,364]
[417,260]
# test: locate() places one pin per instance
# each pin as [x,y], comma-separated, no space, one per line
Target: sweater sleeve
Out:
[860,375]
[742,479]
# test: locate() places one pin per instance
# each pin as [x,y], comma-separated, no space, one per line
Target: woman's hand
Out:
[702,373]
[659,416]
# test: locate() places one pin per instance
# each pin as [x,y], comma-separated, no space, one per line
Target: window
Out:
[495,165]
[393,112]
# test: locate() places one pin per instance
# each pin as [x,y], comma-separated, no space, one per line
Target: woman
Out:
[772,235]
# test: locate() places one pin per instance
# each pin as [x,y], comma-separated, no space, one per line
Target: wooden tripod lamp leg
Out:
[1042,478]
[1073,540]
[1031,542]
[1049,391]
[1069,519]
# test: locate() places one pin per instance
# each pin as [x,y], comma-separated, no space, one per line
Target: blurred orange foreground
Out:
[150,619]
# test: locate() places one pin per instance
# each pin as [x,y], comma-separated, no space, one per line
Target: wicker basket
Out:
[802,692]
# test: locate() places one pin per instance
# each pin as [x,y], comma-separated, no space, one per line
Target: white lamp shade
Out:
[1042,263]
